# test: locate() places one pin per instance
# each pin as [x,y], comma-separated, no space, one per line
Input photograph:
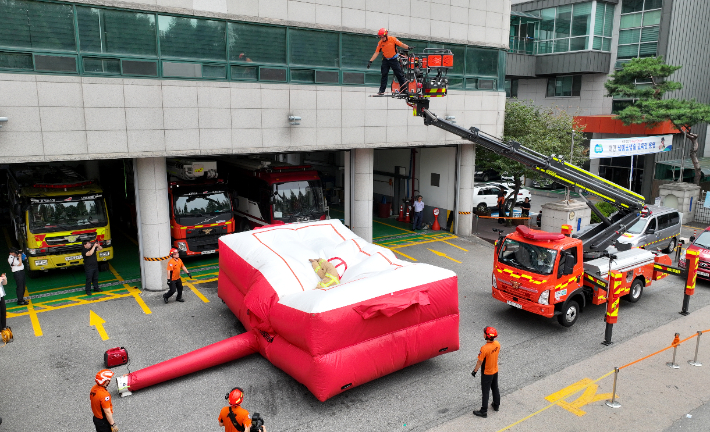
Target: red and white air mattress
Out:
[385,314]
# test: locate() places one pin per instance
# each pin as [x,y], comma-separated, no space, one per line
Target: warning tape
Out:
[156,259]
[465,213]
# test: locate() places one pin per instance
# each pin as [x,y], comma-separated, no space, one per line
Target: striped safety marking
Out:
[564,284]
[203,226]
[156,259]
[465,213]
[648,244]
[520,275]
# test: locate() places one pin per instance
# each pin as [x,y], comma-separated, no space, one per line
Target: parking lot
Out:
[69,352]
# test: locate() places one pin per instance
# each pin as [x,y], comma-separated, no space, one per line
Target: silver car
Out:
[658,228]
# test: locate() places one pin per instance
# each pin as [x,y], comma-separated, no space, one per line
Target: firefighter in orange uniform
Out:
[389,58]
[101,404]
[488,360]
[234,418]
[174,282]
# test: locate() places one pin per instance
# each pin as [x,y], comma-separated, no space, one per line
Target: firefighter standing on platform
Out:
[488,360]
[174,282]
[101,404]
[389,58]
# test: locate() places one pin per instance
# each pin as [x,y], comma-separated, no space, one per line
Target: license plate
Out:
[73,258]
[208,252]
[706,274]
[515,305]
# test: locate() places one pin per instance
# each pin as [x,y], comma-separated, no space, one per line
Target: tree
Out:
[544,130]
[651,106]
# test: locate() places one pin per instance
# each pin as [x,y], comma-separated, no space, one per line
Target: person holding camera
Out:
[91,265]
[101,405]
[18,272]
[488,361]
[174,282]
[234,418]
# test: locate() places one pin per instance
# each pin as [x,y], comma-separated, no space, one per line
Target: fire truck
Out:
[268,192]
[545,273]
[200,206]
[54,210]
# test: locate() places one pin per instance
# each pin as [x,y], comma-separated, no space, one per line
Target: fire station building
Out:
[91,81]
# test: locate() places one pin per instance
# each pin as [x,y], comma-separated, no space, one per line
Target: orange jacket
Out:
[386,45]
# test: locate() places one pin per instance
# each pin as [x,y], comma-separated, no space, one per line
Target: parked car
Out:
[486,195]
[486,175]
[547,184]
[509,187]
[658,228]
[702,245]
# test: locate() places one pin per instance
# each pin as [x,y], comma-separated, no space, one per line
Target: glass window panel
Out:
[55,63]
[372,79]
[547,25]
[563,86]
[214,71]
[578,44]
[455,83]
[551,87]
[16,61]
[649,34]
[606,44]
[486,84]
[629,21]
[628,51]
[576,85]
[357,49]
[142,68]
[303,75]
[629,36]
[272,74]
[653,4]
[30,24]
[628,6]
[257,43]
[116,32]
[648,49]
[327,77]
[353,78]
[186,70]
[597,43]
[192,38]
[244,73]
[561,45]
[609,20]
[481,62]
[97,65]
[652,18]
[545,47]
[599,19]
[315,48]
[581,19]
[563,21]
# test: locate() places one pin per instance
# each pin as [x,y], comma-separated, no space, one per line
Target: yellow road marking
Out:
[392,226]
[589,396]
[451,244]
[417,243]
[133,291]
[33,318]
[441,254]
[98,322]
[199,281]
[197,292]
[398,252]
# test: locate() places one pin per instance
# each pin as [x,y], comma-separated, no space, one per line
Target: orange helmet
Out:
[235,396]
[103,377]
[382,32]
[490,333]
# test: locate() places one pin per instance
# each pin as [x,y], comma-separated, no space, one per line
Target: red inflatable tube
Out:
[212,355]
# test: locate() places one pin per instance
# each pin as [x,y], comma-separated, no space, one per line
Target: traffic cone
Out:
[401,213]
[435,226]
[692,239]
[407,220]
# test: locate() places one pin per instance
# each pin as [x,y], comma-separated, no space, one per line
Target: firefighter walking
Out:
[386,45]
[488,360]
[175,265]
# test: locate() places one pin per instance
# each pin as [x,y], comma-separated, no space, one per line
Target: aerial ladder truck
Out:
[549,274]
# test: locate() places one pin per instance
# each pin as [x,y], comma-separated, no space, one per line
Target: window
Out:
[116,32]
[314,48]
[356,49]
[192,38]
[481,62]
[567,28]
[511,88]
[664,221]
[15,61]
[564,86]
[257,43]
[38,25]
[639,24]
[675,218]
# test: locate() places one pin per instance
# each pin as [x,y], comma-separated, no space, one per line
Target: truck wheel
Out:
[569,315]
[635,291]
[103,266]
[671,246]
[481,208]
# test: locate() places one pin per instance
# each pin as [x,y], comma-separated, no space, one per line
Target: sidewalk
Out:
[652,395]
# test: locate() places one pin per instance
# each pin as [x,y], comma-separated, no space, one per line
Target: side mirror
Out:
[650,231]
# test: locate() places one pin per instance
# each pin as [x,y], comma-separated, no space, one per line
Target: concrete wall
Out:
[65,118]
[592,100]
[441,161]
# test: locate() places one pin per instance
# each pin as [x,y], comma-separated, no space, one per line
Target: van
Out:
[658,228]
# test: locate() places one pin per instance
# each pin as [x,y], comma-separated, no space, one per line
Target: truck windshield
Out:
[66,215]
[298,200]
[197,208]
[638,227]
[528,257]
[703,240]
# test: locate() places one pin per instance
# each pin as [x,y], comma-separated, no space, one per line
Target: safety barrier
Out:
[500,217]
[157,259]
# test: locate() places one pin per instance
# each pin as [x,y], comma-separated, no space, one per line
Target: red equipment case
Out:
[115,357]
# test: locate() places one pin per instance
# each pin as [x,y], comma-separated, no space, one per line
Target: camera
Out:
[256,423]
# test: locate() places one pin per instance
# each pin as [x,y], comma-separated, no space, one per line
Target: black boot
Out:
[480,413]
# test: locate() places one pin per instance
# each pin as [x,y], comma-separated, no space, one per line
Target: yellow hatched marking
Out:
[416,243]
[441,254]
[589,396]
[33,318]
[132,291]
[197,292]
[400,253]
[451,244]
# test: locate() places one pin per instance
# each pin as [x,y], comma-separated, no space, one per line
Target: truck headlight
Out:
[182,246]
[494,281]
[40,262]
[544,297]
[104,254]
[32,251]
[107,242]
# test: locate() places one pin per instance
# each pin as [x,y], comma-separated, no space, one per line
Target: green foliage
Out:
[682,113]
[606,208]
[643,70]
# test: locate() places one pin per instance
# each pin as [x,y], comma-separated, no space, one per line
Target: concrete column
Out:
[153,220]
[464,182]
[347,187]
[363,163]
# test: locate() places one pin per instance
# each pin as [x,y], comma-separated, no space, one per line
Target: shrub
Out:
[605,208]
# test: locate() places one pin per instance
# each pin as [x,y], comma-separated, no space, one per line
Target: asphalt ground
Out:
[63,361]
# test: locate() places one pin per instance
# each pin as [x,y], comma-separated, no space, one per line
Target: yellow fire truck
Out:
[54,211]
